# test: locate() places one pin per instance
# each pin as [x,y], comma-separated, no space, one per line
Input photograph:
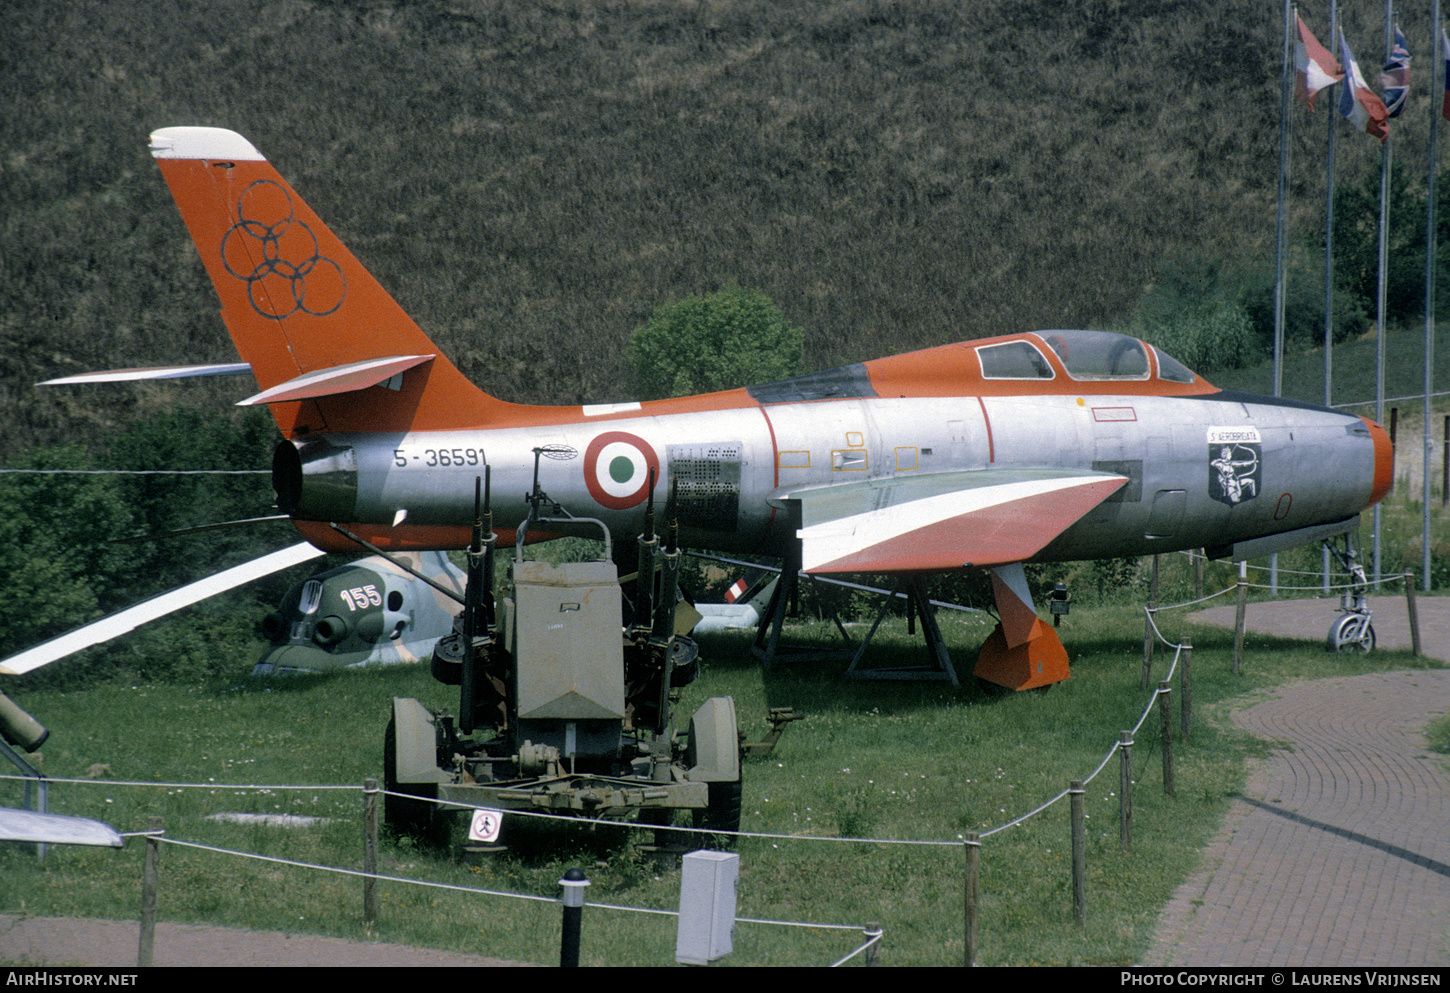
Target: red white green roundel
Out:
[617,469]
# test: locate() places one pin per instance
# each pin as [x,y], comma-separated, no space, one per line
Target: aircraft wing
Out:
[943,521]
[158,372]
[59,829]
[122,621]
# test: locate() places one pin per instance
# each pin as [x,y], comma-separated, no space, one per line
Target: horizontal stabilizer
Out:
[159,372]
[122,621]
[943,521]
[339,379]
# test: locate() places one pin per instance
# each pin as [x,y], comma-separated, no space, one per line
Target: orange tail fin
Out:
[330,349]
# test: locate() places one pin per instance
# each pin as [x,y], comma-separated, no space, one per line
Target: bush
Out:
[733,337]
[1217,336]
[1191,313]
[1303,307]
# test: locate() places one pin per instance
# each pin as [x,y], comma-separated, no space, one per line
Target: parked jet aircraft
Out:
[368,611]
[1048,446]
[746,606]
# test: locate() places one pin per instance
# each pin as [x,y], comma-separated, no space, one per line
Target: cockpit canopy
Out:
[1088,356]
[1039,362]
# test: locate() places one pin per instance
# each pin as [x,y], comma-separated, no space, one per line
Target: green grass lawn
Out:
[879,760]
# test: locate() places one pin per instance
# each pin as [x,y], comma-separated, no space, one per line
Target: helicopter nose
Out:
[1384,462]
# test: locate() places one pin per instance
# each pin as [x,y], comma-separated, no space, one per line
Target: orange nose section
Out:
[1384,462]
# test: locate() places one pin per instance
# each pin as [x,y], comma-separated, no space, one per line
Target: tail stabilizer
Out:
[301,309]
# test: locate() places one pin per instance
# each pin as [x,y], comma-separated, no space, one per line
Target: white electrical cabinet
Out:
[707,907]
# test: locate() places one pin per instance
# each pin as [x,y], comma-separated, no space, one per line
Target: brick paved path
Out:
[88,942]
[1338,853]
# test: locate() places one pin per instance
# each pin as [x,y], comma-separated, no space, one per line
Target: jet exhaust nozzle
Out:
[315,480]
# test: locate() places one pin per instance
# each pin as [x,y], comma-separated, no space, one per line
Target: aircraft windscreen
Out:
[1098,354]
[1013,360]
[1170,368]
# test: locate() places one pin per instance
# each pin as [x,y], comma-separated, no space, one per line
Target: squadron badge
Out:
[1233,464]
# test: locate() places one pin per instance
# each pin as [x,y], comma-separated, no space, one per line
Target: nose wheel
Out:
[1351,633]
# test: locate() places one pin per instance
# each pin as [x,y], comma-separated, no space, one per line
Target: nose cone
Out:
[1384,462]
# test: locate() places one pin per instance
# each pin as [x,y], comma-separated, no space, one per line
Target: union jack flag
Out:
[1395,80]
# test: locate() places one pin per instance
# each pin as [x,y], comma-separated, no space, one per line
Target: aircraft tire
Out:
[657,817]
[1343,636]
[414,817]
[723,814]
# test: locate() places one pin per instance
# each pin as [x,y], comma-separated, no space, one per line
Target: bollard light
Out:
[574,883]
[1058,602]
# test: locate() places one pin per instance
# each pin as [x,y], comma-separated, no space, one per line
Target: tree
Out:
[54,543]
[732,337]
[1356,244]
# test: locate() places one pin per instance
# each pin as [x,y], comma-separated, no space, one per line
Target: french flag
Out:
[1357,103]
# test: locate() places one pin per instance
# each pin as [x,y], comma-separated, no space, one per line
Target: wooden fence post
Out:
[972,848]
[1125,790]
[873,934]
[145,952]
[1445,466]
[1150,643]
[1239,616]
[1079,851]
[1164,712]
[370,851]
[1413,611]
[1185,689]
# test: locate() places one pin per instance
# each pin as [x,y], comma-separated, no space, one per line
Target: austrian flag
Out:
[1314,67]
[1357,102]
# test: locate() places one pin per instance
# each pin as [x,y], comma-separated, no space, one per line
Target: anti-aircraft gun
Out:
[571,694]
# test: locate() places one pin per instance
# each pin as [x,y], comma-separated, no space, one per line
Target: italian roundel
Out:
[617,468]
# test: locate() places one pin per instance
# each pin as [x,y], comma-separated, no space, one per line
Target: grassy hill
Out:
[1353,382]
[532,179]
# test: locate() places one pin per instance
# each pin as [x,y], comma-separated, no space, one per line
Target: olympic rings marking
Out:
[291,266]
[617,467]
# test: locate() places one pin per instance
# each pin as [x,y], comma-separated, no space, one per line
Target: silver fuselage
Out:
[1202,470]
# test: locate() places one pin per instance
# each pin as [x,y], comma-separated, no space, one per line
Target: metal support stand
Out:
[939,660]
[767,646]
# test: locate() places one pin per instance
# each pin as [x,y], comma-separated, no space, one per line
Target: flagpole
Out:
[1284,94]
[1285,91]
[1436,73]
[1329,228]
[1329,259]
[1386,155]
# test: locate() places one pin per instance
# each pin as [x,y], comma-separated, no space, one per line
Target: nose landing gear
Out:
[1352,632]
